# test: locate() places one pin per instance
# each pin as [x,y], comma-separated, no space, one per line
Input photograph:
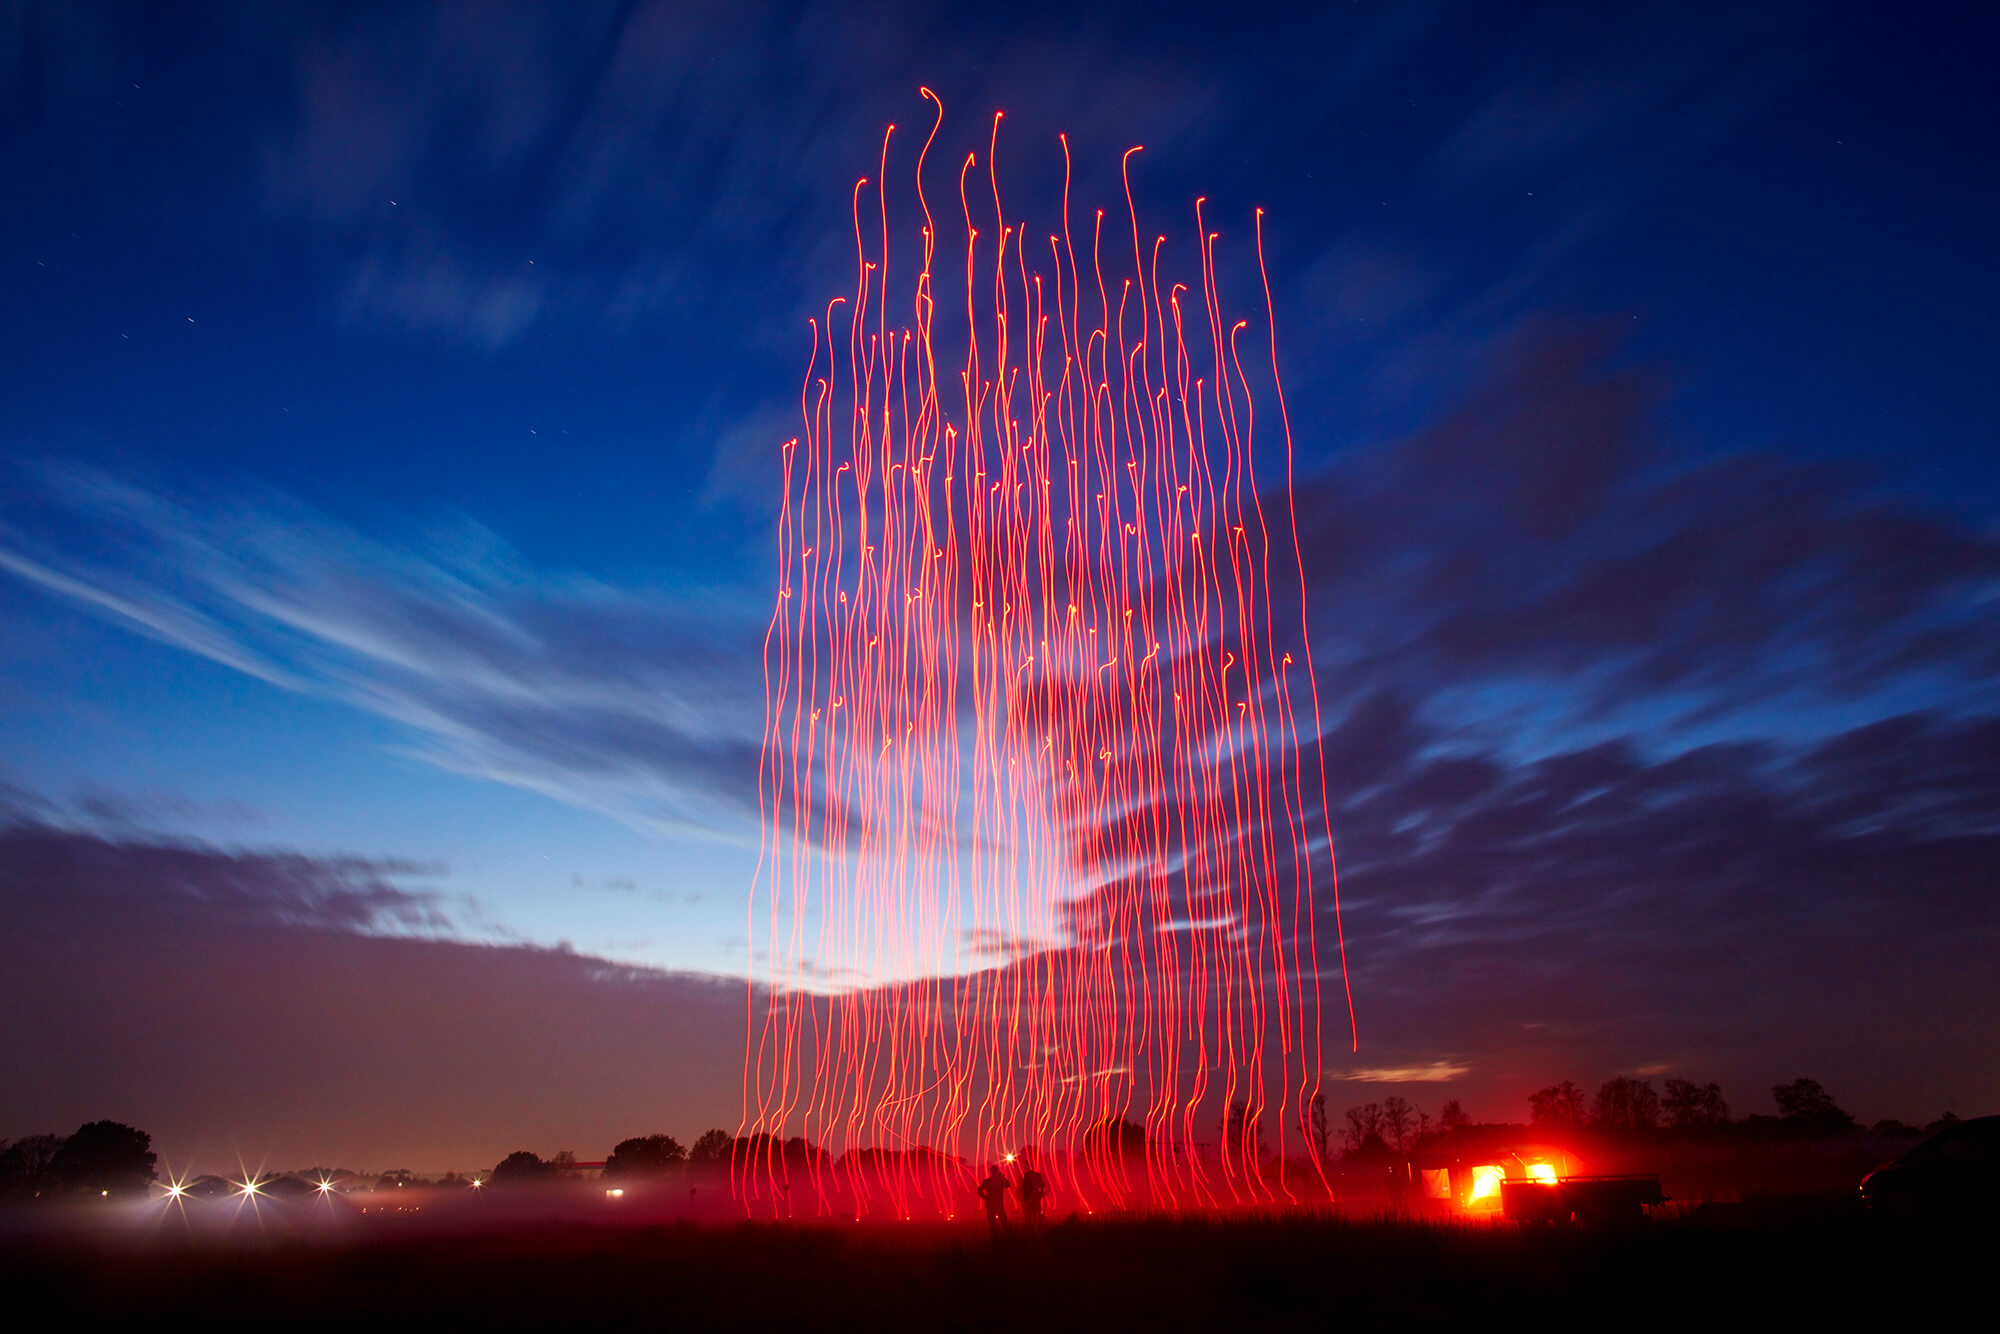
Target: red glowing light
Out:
[1042,822]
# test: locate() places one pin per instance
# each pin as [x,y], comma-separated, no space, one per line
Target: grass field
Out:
[1779,1269]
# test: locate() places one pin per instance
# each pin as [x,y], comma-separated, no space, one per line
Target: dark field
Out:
[1785,1265]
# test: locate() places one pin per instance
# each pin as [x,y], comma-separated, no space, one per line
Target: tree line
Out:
[103,1158]
[638,1158]
[1621,1105]
[109,1159]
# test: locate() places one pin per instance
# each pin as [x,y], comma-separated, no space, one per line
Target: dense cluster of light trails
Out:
[1043,824]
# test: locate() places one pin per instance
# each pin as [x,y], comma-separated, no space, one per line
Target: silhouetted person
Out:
[993,1191]
[1034,1189]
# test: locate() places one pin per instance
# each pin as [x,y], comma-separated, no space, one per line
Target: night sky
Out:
[388,466]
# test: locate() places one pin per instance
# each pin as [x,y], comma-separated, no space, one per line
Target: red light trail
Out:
[1041,786]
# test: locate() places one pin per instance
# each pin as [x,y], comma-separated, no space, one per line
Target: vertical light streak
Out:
[1038,859]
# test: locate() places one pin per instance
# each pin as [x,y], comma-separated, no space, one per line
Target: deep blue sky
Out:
[386,473]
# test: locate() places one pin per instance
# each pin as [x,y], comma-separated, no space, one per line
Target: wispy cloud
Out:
[1436,1072]
[1542,547]
[439,297]
[623,700]
[47,870]
[1628,748]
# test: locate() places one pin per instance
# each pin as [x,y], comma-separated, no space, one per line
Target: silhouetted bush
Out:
[24,1166]
[521,1168]
[1116,1138]
[645,1156]
[711,1149]
[105,1158]
[1807,1108]
[1372,1148]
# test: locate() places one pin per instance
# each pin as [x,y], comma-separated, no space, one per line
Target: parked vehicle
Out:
[1953,1174]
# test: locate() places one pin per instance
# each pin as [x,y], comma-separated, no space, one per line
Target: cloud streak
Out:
[1635,754]
[619,700]
[48,870]
[1542,538]
[1435,1072]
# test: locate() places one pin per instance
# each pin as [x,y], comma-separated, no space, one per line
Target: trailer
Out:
[1600,1199]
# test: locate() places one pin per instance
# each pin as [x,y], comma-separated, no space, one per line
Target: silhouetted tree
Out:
[1363,1122]
[767,1153]
[563,1164]
[757,1151]
[1805,1106]
[1942,1124]
[1689,1104]
[1398,1120]
[1557,1105]
[1451,1116]
[24,1165]
[711,1149]
[646,1156]
[1319,1124]
[105,1157]
[1625,1103]
[1114,1137]
[520,1168]
[1243,1130]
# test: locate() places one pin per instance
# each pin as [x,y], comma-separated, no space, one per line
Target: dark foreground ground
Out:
[1785,1267]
